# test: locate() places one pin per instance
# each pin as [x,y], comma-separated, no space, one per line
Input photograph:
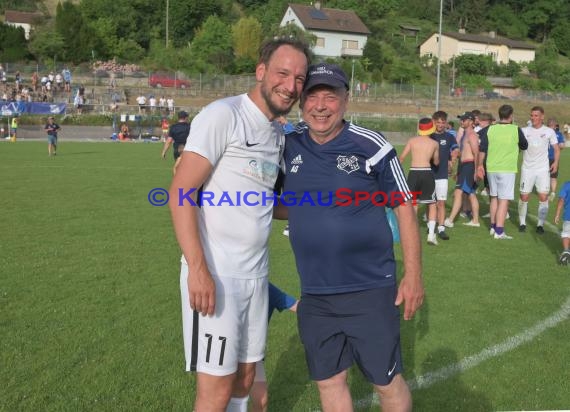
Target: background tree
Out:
[13,45]
[504,20]
[246,37]
[212,44]
[45,43]
[186,17]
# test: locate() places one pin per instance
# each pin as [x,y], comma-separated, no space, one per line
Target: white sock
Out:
[542,212]
[441,228]
[237,405]
[431,227]
[523,208]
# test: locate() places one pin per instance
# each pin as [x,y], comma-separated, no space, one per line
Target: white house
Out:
[500,48]
[339,33]
[22,19]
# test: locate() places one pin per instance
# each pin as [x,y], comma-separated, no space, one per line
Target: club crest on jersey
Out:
[347,164]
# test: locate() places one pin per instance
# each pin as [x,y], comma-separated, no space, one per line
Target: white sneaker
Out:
[286,231]
[486,215]
[463,215]
[472,224]
[432,240]
[502,236]
[508,215]
[484,192]
[491,231]
[448,223]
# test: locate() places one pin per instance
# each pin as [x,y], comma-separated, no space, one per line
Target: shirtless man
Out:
[466,173]
[425,152]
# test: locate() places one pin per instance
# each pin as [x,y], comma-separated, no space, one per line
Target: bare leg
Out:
[474,207]
[213,392]
[396,396]
[440,212]
[258,397]
[335,395]
[457,201]
[493,205]
[502,208]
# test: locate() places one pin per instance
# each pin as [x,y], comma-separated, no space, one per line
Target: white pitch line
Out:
[430,378]
[509,344]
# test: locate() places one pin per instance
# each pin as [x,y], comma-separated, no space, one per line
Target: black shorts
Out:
[177,150]
[358,327]
[555,174]
[422,181]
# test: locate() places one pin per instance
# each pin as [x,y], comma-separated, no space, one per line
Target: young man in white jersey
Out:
[234,147]
[535,171]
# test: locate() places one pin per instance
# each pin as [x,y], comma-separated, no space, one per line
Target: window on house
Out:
[320,42]
[350,44]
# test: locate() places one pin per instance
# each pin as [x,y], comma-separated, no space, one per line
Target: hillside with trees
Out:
[222,36]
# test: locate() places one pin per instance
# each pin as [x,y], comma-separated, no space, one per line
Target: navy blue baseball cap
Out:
[326,74]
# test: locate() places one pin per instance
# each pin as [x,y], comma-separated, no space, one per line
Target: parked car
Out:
[494,95]
[165,80]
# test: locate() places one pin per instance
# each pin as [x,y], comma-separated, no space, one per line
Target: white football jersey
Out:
[536,156]
[245,149]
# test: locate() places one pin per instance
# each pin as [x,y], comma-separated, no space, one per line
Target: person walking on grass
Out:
[52,129]
[466,179]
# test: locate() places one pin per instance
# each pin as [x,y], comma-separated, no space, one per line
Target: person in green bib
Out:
[500,144]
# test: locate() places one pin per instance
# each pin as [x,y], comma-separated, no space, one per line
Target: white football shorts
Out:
[235,333]
[532,178]
[441,187]
[502,185]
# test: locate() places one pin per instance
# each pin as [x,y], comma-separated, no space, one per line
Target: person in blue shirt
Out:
[339,177]
[564,204]
[553,124]
[258,394]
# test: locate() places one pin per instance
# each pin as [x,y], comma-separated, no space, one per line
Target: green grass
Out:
[90,312]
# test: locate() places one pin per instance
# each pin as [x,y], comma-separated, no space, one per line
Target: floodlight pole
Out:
[439,41]
[167,4]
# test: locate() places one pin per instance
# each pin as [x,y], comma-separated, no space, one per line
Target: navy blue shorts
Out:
[358,327]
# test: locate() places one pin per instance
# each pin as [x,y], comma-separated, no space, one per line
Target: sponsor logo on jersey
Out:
[347,164]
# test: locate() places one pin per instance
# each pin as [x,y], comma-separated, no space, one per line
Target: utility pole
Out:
[439,41]
[167,4]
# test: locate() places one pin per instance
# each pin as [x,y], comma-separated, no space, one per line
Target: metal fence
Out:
[103,88]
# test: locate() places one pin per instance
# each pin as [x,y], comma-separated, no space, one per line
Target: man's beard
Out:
[273,108]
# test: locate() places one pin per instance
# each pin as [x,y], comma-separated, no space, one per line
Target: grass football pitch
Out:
[90,309]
